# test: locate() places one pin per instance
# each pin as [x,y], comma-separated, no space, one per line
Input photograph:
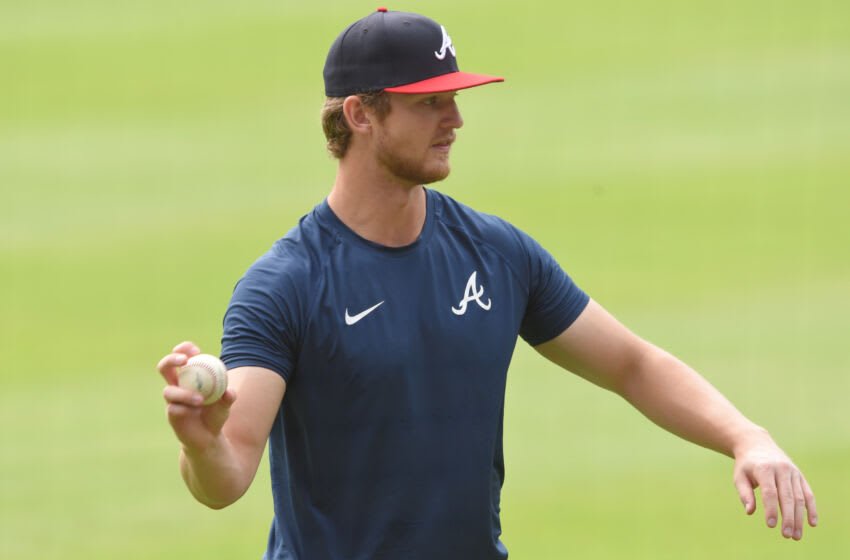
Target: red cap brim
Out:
[446,82]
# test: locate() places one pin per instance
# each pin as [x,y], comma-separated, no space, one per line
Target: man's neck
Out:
[379,209]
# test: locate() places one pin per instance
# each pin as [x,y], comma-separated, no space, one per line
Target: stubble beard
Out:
[409,169]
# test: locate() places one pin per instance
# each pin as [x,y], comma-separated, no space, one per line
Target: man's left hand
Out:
[783,487]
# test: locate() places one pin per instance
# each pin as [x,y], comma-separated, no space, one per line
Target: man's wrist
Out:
[209,452]
[746,440]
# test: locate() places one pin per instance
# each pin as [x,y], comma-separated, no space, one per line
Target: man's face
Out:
[413,141]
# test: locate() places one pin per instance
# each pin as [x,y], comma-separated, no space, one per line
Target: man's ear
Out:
[356,115]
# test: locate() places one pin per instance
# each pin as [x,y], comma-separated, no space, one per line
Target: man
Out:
[370,345]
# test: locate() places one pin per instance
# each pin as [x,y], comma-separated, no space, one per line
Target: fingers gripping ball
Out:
[206,375]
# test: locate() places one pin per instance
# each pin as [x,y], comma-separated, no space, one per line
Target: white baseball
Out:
[206,375]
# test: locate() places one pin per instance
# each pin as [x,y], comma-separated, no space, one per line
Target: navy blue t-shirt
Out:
[388,441]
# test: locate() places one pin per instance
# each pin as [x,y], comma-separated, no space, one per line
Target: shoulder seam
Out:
[523,282]
[324,265]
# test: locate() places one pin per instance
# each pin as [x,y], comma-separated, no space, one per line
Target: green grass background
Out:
[687,162]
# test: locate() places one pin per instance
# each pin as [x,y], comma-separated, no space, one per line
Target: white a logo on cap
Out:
[447,44]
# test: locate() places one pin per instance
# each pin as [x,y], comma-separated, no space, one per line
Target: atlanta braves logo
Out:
[447,44]
[472,293]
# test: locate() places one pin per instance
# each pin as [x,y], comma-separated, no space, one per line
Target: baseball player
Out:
[370,345]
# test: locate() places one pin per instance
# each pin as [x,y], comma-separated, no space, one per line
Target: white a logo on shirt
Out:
[472,293]
[447,44]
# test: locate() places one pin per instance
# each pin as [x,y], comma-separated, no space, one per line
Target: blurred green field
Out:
[687,162]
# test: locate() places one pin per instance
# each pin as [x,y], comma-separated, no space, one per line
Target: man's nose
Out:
[454,118]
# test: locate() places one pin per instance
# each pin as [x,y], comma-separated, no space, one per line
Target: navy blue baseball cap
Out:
[398,52]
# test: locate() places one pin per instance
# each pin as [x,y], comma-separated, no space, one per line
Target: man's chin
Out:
[421,174]
[426,177]
[437,175]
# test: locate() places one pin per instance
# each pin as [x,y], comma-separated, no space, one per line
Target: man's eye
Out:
[430,100]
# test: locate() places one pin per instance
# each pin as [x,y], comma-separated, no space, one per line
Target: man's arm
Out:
[674,396]
[222,443]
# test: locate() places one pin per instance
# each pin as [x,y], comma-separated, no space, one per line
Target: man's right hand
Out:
[222,446]
[198,427]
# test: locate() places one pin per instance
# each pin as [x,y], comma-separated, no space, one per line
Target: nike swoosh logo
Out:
[351,319]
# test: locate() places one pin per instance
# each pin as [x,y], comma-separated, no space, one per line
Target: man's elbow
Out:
[216,502]
[216,505]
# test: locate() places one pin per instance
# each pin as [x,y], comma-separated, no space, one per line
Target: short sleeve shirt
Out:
[388,442]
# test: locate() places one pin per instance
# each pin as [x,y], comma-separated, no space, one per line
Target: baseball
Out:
[205,374]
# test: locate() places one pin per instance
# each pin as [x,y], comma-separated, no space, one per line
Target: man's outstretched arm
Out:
[674,396]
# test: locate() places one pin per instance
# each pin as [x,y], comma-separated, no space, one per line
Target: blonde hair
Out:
[336,129]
